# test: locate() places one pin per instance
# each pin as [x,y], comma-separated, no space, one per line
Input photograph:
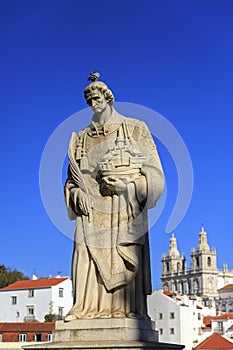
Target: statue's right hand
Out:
[81,200]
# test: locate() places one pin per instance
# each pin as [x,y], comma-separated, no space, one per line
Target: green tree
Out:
[8,276]
[50,318]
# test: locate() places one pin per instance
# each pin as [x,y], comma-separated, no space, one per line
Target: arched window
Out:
[180,287]
[167,266]
[197,261]
[195,286]
[189,287]
[209,261]
[178,267]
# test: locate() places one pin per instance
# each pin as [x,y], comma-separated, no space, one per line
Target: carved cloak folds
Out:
[111,265]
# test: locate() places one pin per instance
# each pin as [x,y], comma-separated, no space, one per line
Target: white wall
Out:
[66,301]
[158,303]
[16,313]
[188,319]
[224,278]
[44,301]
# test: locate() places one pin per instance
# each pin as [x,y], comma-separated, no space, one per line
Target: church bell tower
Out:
[173,268]
[203,274]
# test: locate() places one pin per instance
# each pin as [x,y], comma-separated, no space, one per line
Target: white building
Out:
[221,323]
[224,303]
[30,300]
[178,318]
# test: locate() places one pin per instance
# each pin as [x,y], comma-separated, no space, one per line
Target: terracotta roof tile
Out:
[40,283]
[168,293]
[215,341]
[227,287]
[222,317]
[27,326]
[207,320]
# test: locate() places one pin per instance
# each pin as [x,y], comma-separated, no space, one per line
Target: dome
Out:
[173,251]
[203,244]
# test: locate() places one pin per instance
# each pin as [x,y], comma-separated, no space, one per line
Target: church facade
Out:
[203,278]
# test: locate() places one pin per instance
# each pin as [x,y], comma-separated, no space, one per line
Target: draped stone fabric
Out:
[111,263]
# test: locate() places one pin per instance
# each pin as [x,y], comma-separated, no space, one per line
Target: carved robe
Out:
[111,264]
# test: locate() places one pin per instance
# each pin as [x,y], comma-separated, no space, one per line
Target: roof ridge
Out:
[215,341]
[39,283]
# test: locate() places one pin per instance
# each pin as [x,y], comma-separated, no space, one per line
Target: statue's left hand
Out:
[84,203]
[115,184]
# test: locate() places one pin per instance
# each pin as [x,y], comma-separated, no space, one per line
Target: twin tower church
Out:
[203,278]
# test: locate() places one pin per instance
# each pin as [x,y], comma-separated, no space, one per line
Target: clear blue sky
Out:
[172,56]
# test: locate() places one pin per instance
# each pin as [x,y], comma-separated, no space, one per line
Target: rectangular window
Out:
[1,337]
[160,316]
[172,315]
[60,312]
[13,300]
[30,314]
[199,316]
[49,337]
[31,293]
[160,331]
[220,327]
[30,310]
[38,337]
[172,331]
[60,292]
[22,337]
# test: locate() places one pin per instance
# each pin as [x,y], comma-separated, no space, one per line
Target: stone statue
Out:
[114,177]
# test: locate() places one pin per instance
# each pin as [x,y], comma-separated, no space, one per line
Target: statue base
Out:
[105,329]
[105,334]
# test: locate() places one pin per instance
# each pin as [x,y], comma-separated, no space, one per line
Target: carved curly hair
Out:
[103,88]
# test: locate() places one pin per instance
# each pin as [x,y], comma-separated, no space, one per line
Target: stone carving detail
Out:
[114,177]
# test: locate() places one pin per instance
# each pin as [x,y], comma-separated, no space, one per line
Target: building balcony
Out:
[30,319]
[218,330]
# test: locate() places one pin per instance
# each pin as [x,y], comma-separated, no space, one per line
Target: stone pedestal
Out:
[130,334]
[105,330]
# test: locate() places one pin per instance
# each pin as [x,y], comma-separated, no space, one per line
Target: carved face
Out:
[96,101]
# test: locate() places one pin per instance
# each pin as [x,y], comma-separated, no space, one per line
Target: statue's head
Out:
[97,94]
[99,87]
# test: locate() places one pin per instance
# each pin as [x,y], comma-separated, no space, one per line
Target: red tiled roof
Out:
[215,341]
[168,293]
[207,319]
[231,327]
[207,322]
[227,287]
[40,283]
[27,326]
[222,317]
